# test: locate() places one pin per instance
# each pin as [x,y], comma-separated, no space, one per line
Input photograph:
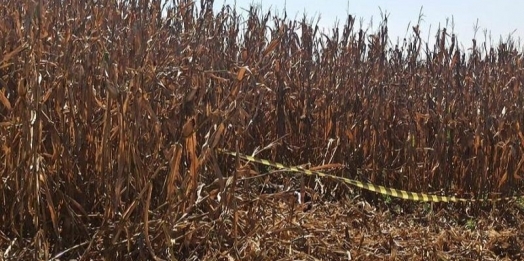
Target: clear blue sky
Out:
[500,18]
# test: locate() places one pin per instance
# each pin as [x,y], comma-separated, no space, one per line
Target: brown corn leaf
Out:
[174,173]
[4,100]
[242,72]
[503,179]
[521,137]
[327,166]
[188,128]
[218,78]
[217,136]
[10,55]
[144,102]
[271,47]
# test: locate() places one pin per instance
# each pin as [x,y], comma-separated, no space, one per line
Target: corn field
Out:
[112,114]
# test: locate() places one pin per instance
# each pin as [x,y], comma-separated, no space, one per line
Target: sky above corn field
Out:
[494,20]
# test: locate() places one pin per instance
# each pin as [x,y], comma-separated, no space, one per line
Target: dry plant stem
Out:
[104,101]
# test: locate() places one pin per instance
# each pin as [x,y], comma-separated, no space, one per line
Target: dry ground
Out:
[352,229]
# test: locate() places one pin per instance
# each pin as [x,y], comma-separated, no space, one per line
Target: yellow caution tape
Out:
[397,193]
